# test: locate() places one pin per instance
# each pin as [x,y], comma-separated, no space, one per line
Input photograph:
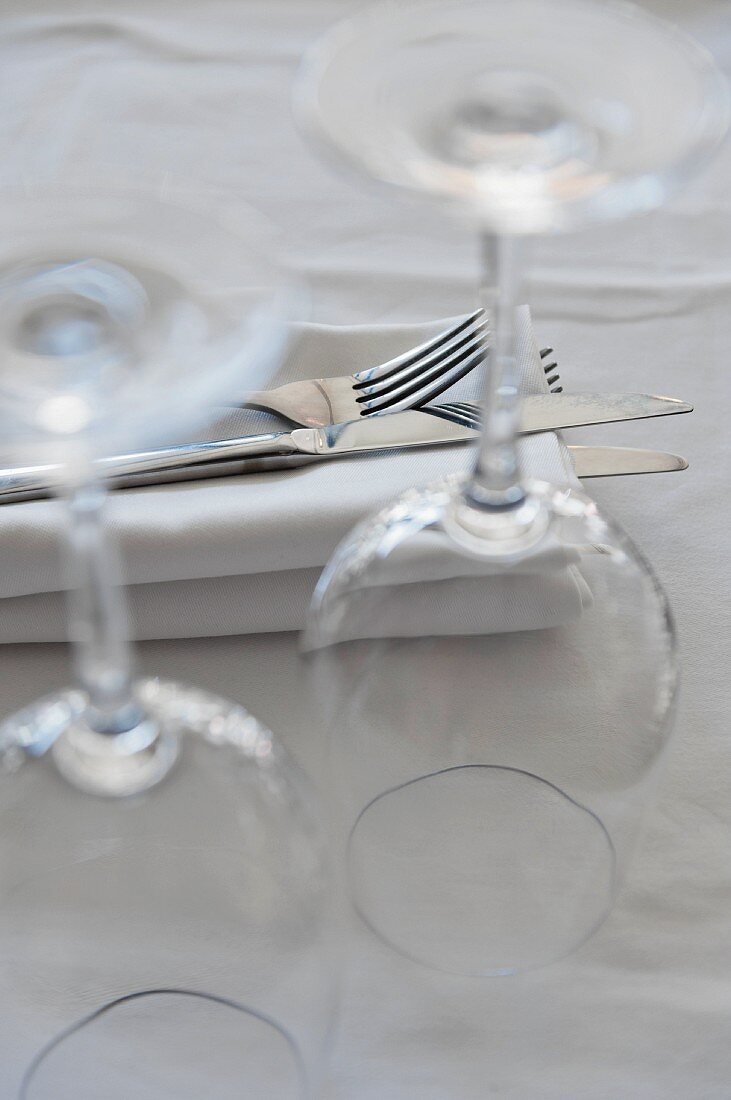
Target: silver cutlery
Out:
[33,483]
[409,381]
[550,370]
[279,450]
[615,461]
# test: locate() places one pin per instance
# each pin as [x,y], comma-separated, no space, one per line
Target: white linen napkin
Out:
[242,554]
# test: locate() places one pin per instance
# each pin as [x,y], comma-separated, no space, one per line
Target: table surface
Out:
[201,91]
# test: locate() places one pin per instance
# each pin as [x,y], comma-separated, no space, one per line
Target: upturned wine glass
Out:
[163,869]
[499,659]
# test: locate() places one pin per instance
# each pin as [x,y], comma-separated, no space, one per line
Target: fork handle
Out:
[188,462]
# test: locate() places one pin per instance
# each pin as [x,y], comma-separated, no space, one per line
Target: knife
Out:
[414,428]
[34,482]
[280,450]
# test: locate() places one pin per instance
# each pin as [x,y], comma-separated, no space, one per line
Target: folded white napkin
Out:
[243,554]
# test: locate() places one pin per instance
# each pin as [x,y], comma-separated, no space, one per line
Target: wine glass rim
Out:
[221,208]
[244,249]
[649,188]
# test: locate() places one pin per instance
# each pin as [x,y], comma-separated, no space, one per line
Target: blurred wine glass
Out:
[163,866]
[498,658]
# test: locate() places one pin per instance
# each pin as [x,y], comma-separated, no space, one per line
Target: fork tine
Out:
[416,393]
[422,371]
[460,369]
[415,378]
[453,408]
[416,355]
[469,419]
[471,416]
[468,415]
[419,384]
[553,379]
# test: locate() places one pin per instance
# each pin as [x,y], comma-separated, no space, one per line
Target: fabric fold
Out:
[242,554]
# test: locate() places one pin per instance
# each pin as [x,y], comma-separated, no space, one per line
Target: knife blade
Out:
[547,412]
[35,482]
[539,413]
[614,461]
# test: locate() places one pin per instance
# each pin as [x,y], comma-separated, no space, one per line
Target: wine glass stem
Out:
[496,480]
[97,614]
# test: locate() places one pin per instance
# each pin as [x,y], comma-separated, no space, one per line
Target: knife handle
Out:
[190,462]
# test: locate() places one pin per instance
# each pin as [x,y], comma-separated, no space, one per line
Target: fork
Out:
[468,414]
[409,381]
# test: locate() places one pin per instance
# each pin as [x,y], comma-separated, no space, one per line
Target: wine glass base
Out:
[122,764]
[494,532]
[461,869]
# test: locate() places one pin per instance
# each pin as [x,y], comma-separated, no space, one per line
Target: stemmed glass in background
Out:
[498,658]
[163,901]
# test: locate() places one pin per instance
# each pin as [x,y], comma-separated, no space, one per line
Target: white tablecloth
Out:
[201,91]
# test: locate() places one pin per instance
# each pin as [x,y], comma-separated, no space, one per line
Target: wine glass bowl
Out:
[117,303]
[494,728]
[525,121]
